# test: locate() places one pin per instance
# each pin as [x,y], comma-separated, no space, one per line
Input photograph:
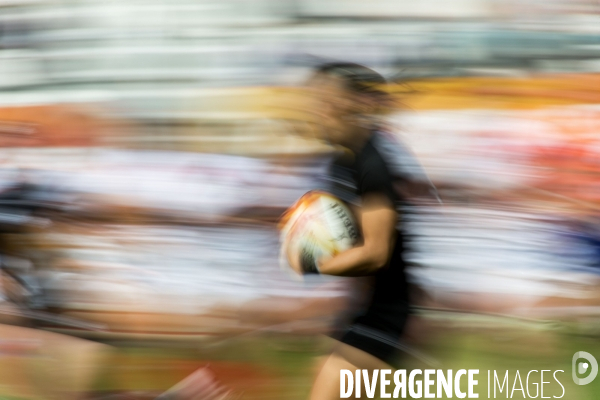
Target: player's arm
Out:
[378,222]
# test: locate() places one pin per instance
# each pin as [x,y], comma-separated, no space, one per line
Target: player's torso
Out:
[389,285]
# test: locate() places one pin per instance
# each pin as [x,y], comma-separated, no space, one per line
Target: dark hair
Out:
[357,78]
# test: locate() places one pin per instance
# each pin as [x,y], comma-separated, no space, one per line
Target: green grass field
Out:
[283,366]
[278,367]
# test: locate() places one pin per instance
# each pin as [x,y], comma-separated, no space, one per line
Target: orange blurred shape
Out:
[48,125]
[523,92]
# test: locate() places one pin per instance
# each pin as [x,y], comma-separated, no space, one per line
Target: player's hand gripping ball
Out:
[316,227]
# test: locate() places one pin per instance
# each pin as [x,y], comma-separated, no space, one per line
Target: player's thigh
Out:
[327,383]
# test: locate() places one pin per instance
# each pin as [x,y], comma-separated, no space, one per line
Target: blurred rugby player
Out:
[371,175]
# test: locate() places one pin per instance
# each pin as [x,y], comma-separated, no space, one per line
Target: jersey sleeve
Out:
[374,177]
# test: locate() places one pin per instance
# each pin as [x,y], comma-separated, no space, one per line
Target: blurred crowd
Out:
[147,150]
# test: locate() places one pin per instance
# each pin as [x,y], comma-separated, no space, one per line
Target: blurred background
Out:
[147,149]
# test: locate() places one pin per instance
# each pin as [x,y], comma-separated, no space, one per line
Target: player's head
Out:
[348,96]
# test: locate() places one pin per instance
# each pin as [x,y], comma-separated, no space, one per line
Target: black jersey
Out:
[353,176]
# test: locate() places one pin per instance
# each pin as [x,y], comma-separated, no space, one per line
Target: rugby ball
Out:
[318,223]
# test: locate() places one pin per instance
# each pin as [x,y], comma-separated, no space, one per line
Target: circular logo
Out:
[580,368]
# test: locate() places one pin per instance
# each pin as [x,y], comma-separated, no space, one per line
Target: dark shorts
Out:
[377,336]
[378,329]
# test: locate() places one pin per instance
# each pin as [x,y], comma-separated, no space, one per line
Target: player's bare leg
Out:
[327,383]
